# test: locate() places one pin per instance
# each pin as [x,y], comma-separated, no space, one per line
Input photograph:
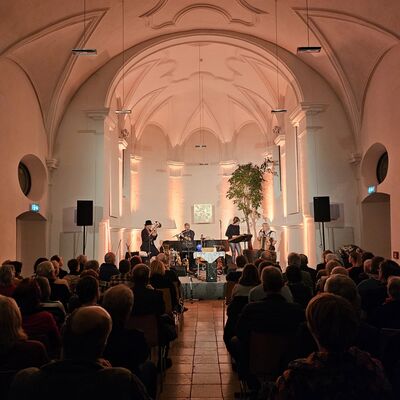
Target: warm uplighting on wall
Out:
[134,195]
[176,200]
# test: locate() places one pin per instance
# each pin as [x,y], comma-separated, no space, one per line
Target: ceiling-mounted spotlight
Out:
[277,109]
[123,111]
[308,48]
[82,51]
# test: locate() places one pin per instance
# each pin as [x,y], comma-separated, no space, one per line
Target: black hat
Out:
[148,222]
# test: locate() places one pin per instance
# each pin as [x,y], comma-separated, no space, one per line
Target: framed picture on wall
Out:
[203,214]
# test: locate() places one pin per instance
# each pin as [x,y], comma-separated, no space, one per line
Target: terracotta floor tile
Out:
[201,351]
[180,369]
[224,359]
[208,359]
[181,351]
[203,391]
[225,368]
[209,379]
[206,345]
[181,359]
[176,391]
[229,378]
[178,379]
[205,368]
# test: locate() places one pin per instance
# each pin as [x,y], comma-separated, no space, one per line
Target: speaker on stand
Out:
[322,214]
[84,217]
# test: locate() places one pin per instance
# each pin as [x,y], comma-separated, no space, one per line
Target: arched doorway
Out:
[31,239]
[376,235]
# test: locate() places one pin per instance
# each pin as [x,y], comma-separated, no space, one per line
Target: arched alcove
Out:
[376,236]
[31,239]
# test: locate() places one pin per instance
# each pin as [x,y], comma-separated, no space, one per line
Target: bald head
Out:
[118,301]
[85,333]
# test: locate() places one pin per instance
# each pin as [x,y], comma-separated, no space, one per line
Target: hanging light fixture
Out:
[278,109]
[122,110]
[82,51]
[201,145]
[308,48]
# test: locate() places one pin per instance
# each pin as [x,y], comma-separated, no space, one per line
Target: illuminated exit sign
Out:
[371,189]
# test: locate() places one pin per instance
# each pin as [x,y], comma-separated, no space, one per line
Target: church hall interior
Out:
[200,199]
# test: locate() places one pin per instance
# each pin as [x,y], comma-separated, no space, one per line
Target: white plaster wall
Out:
[21,133]
[380,125]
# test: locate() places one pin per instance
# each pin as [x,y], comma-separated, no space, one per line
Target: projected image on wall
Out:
[203,214]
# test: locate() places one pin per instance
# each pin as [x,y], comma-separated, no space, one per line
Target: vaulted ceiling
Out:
[39,35]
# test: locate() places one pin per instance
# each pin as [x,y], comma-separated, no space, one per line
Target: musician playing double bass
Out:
[149,235]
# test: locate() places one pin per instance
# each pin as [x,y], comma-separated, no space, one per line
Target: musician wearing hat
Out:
[149,235]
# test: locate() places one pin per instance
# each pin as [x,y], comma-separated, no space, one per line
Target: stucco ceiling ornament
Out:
[124,134]
[276,130]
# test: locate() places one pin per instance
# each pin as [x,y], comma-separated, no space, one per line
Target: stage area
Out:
[194,288]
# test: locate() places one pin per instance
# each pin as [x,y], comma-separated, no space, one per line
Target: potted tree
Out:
[245,189]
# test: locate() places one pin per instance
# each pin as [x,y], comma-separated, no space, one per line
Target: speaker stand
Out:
[323,235]
[84,240]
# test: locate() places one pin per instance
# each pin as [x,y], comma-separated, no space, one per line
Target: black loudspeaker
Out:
[84,213]
[322,209]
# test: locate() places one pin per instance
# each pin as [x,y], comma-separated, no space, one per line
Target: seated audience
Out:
[135,260]
[271,315]
[295,260]
[61,272]
[258,293]
[59,289]
[127,347]
[91,267]
[301,293]
[337,370]
[37,262]
[169,273]
[7,284]
[16,351]
[304,267]
[82,260]
[55,308]
[235,271]
[39,325]
[324,260]
[86,293]
[159,280]
[247,281]
[324,274]
[388,314]
[124,276]
[72,277]
[108,268]
[340,271]
[81,373]
[367,338]
[356,266]
[18,270]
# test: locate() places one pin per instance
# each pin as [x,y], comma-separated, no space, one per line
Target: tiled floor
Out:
[201,365]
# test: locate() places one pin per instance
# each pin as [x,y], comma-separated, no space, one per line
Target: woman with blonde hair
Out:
[16,351]
[159,280]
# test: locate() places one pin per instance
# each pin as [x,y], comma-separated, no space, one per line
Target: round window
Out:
[24,177]
[382,167]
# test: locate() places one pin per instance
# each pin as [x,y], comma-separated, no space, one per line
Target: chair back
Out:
[268,353]
[6,378]
[178,290]
[148,324]
[228,291]
[167,299]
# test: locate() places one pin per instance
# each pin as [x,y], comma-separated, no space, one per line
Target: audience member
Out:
[372,290]
[323,274]
[388,314]
[91,267]
[271,315]
[82,260]
[340,271]
[73,276]
[127,347]
[18,270]
[86,293]
[235,271]
[61,272]
[301,293]
[135,260]
[247,281]
[324,261]
[367,338]
[388,268]
[108,268]
[7,284]
[55,308]
[295,260]
[169,273]
[337,370]
[304,267]
[124,276]
[258,292]
[16,351]
[39,325]
[356,266]
[59,290]
[159,280]
[81,373]
[37,262]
